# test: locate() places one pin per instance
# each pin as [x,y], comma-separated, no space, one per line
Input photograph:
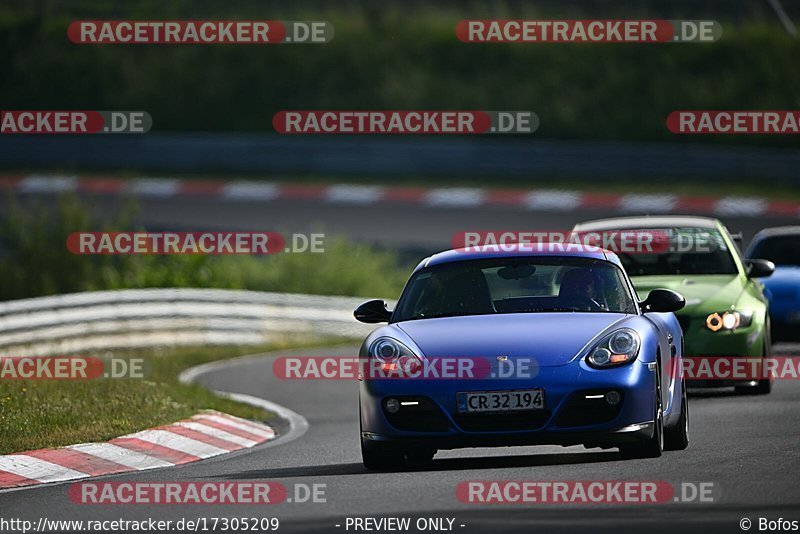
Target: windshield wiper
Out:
[442,315]
[543,310]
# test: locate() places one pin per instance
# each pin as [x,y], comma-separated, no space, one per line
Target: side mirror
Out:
[373,311]
[663,300]
[759,268]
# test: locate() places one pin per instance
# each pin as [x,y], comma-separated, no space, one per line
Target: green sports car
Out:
[726,310]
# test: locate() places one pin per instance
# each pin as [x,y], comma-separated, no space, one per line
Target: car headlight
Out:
[618,348]
[729,320]
[394,356]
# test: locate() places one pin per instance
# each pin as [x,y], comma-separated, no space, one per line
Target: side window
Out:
[416,293]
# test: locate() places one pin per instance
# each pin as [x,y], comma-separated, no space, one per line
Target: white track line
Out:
[113,453]
[251,191]
[298,425]
[217,433]
[37,183]
[264,432]
[549,199]
[179,443]
[36,469]
[456,197]
[155,187]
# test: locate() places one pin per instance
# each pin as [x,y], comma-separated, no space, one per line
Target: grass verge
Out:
[37,414]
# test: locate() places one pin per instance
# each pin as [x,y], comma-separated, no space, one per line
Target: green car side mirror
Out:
[759,268]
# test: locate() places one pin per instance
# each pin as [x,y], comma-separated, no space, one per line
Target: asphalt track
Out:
[746,446]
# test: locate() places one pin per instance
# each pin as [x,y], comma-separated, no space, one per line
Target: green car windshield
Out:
[690,251]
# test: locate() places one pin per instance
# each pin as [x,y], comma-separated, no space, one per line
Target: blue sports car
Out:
[556,350]
[781,245]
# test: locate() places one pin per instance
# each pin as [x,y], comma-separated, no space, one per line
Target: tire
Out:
[654,446]
[380,457]
[377,456]
[764,387]
[676,438]
[420,456]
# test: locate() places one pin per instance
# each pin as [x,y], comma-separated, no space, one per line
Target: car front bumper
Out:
[701,342]
[569,416]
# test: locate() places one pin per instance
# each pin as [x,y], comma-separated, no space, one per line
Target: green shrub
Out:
[35,262]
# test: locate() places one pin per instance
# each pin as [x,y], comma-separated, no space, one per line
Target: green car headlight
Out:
[729,320]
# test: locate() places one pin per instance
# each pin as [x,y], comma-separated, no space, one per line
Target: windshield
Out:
[687,251]
[515,285]
[780,250]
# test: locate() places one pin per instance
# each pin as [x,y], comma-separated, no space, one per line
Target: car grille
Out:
[501,422]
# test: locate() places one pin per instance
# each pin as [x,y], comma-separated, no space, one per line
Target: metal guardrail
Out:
[530,160]
[102,320]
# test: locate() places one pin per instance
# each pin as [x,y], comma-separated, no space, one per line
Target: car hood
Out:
[703,293]
[783,275]
[784,282]
[549,338]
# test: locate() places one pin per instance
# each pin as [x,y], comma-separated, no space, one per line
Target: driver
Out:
[457,292]
[582,283]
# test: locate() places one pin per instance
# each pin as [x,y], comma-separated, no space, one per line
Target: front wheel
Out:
[420,456]
[380,457]
[653,447]
[676,438]
[763,387]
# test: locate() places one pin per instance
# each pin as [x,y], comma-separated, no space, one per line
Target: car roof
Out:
[524,250]
[777,231]
[656,221]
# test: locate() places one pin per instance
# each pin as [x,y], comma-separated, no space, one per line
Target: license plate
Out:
[501,401]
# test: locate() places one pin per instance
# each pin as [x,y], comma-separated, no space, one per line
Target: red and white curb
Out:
[204,435]
[441,197]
